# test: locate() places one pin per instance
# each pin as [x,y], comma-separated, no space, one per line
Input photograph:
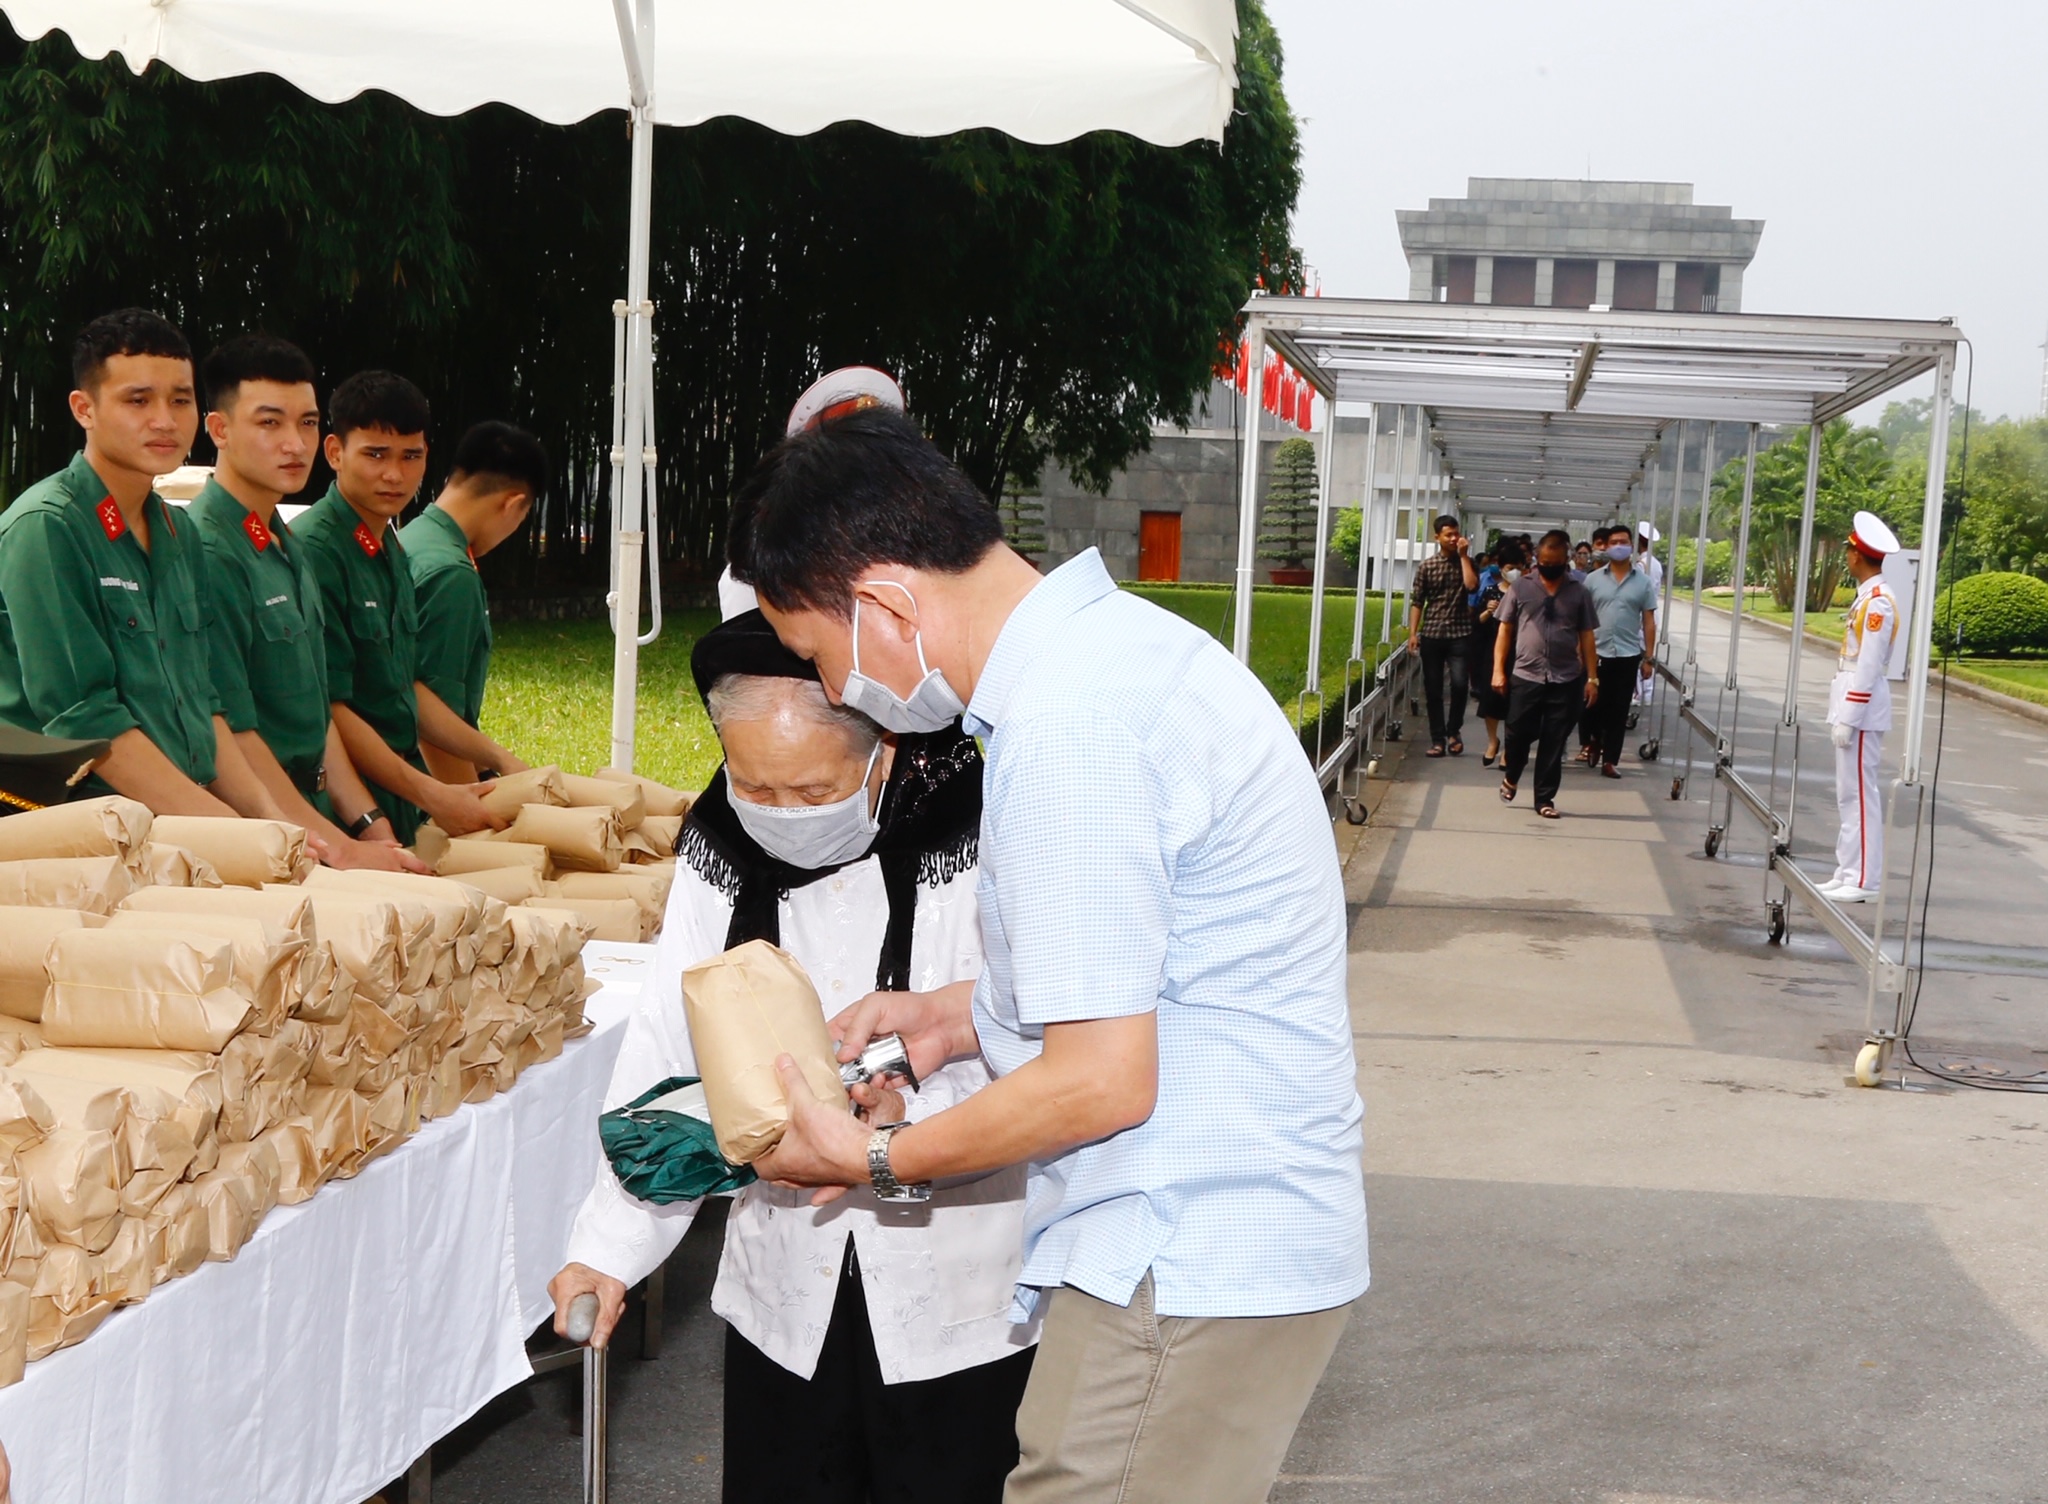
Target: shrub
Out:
[1997,613]
[1347,535]
[1720,563]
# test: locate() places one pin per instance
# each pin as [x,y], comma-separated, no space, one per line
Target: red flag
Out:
[1244,370]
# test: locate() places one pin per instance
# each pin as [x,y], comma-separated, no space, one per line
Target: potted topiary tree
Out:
[1290,515]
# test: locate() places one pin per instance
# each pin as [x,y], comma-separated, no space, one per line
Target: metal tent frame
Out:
[1554,415]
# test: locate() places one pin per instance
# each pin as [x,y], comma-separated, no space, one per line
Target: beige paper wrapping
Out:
[325,987]
[156,1149]
[366,939]
[339,1061]
[111,826]
[166,866]
[182,1221]
[506,795]
[25,936]
[257,1162]
[129,1264]
[627,798]
[184,1086]
[430,843]
[137,989]
[96,884]
[466,856]
[17,1035]
[246,853]
[655,841]
[266,961]
[14,1304]
[552,938]
[649,890]
[230,1201]
[585,839]
[659,798]
[71,1186]
[608,918]
[24,1116]
[299,1172]
[66,1302]
[745,1008]
[509,885]
[341,1128]
[287,910]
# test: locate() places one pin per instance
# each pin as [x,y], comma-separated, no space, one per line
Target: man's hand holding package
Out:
[823,1146]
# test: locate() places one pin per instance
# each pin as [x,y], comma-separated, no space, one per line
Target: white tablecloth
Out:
[353,1330]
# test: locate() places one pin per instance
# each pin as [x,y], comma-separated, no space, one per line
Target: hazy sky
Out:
[1897,153]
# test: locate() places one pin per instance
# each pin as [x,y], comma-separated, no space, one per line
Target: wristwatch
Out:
[887,1186]
[361,824]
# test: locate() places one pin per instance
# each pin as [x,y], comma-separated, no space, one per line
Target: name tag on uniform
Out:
[114,581]
[277,600]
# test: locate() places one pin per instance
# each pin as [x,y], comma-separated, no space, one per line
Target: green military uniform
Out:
[371,631]
[99,636]
[455,618]
[264,641]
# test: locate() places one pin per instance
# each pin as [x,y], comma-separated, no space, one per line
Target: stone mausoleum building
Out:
[1560,243]
[1522,242]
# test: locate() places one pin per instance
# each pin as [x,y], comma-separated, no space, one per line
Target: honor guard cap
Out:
[1871,538]
[1645,531]
[846,390]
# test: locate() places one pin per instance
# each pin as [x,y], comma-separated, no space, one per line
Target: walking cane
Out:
[582,1323]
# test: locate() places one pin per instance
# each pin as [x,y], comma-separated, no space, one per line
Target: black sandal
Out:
[1436,749]
[1547,811]
[1507,792]
[1457,747]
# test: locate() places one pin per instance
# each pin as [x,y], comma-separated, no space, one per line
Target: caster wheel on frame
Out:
[1775,933]
[1354,812]
[1648,750]
[1713,840]
[1870,1064]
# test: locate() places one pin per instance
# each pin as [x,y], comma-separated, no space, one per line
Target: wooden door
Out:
[1159,545]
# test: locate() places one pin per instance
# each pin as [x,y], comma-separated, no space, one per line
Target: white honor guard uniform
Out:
[1860,711]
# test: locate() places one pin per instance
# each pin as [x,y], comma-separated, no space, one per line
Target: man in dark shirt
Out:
[1440,625]
[1549,623]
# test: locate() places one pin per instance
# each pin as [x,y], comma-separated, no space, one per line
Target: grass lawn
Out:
[2022,678]
[550,697]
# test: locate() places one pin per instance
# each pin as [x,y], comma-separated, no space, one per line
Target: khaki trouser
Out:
[1127,1407]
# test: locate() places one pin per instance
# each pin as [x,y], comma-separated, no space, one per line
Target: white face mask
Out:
[811,836]
[1511,574]
[1621,553]
[932,706]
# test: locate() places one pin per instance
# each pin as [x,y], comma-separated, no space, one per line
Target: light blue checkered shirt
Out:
[1153,840]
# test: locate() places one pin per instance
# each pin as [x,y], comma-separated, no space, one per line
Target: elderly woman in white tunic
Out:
[869,1351]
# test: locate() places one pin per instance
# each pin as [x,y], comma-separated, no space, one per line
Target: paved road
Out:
[1634,1239]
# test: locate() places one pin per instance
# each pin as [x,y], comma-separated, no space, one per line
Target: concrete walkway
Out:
[1634,1239]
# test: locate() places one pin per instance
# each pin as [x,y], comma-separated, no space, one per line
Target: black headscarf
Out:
[930,813]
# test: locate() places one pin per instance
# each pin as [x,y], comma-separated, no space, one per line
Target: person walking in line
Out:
[1625,642]
[1494,581]
[1589,717]
[1547,624]
[1440,624]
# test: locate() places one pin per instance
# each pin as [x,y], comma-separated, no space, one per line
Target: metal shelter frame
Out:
[1554,415]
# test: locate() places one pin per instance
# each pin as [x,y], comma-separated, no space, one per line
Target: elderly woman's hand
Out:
[877,1105]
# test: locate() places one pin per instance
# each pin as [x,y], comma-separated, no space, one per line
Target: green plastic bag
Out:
[664,1156]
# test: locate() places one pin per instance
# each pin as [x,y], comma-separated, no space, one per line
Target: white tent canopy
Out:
[1039,70]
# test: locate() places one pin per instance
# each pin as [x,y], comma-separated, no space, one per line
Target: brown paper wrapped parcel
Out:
[246,853]
[745,1008]
[659,798]
[25,936]
[584,839]
[467,855]
[627,798]
[506,795]
[609,918]
[112,826]
[141,989]
[96,884]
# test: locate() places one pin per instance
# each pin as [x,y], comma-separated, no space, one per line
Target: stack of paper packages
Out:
[197,1023]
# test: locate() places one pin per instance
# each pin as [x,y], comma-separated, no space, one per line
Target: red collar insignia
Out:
[259,535]
[112,523]
[368,542]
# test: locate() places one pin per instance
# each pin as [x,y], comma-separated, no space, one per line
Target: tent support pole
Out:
[1328,448]
[1688,683]
[1368,536]
[1248,488]
[631,458]
[1393,520]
